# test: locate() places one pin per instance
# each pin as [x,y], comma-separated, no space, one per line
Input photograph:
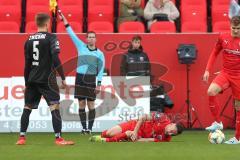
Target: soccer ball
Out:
[216,137]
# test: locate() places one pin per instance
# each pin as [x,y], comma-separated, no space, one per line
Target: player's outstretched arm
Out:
[140,121]
[77,42]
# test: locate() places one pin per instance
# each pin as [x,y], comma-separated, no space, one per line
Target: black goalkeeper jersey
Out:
[39,51]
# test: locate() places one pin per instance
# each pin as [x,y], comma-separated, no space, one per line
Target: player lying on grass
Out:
[156,127]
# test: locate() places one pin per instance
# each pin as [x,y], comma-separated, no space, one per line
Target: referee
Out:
[91,64]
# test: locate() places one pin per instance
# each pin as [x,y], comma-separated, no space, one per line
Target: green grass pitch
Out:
[190,145]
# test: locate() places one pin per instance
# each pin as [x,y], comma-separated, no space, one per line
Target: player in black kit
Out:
[41,61]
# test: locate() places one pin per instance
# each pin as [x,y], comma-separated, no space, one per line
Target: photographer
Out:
[135,62]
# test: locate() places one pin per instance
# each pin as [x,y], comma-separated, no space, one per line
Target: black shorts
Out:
[85,86]
[34,92]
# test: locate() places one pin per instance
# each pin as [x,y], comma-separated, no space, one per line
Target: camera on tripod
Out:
[187,53]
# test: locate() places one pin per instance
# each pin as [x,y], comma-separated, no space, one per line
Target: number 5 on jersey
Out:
[35,53]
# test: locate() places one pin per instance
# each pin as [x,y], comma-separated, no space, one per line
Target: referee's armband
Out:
[99,83]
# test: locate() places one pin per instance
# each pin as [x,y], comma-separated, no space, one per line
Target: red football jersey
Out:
[155,128]
[230,49]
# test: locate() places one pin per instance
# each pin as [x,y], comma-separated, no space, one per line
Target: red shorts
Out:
[128,126]
[225,81]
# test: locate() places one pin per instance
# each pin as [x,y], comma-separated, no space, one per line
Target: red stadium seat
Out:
[193,14]
[31,27]
[131,27]
[100,10]
[163,27]
[76,26]
[9,27]
[72,9]
[221,27]
[216,3]
[195,4]
[101,27]
[220,14]
[10,10]
[194,27]
[36,6]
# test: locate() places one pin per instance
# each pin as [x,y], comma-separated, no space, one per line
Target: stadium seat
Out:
[195,4]
[193,13]
[101,27]
[100,10]
[217,3]
[221,27]
[72,9]
[131,27]
[220,14]
[36,6]
[31,27]
[76,26]
[163,27]
[9,27]
[10,10]
[194,27]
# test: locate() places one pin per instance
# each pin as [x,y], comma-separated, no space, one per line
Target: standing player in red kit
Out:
[156,127]
[229,46]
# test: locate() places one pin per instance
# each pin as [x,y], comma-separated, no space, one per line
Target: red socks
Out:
[237,132]
[214,108]
[117,138]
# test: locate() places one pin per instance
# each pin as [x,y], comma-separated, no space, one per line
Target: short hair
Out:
[235,20]
[180,128]
[137,38]
[41,19]
[89,32]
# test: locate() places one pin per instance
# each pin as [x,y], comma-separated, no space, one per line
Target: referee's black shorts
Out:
[34,92]
[85,85]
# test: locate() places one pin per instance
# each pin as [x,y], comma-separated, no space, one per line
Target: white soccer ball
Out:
[216,137]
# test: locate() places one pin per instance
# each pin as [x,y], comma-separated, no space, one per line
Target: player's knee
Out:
[90,105]
[212,92]
[82,104]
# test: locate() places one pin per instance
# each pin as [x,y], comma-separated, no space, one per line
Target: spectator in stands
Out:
[130,10]
[160,6]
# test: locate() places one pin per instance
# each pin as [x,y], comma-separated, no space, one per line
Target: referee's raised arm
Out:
[77,42]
